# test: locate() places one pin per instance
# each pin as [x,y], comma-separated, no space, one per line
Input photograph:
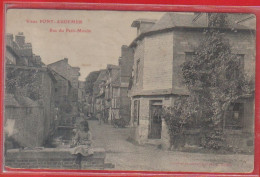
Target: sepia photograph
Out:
[129,90]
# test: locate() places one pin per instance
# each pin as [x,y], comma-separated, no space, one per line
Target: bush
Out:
[177,121]
[213,140]
[119,123]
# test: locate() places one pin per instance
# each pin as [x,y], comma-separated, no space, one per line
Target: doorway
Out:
[155,122]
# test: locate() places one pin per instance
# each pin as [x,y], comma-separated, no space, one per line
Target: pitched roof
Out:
[114,71]
[26,102]
[171,20]
[55,73]
[65,60]
[140,20]
[115,78]
[110,66]
[102,76]
[19,101]
[193,20]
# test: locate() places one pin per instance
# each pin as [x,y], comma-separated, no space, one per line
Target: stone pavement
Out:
[128,156]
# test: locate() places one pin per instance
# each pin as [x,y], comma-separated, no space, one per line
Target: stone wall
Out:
[52,158]
[161,56]
[241,42]
[62,67]
[158,54]
[138,56]
[10,57]
[249,110]
[35,123]
[124,109]
[126,63]
[239,141]
[28,125]
[48,102]
[140,132]
[62,89]
[71,73]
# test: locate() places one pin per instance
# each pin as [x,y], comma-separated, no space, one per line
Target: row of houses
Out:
[110,100]
[154,76]
[37,96]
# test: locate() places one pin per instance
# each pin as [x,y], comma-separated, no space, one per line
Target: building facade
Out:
[112,93]
[157,77]
[72,75]
[30,87]
[98,101]
[125,64]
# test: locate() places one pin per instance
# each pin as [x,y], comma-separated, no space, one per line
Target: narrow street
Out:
[128,156]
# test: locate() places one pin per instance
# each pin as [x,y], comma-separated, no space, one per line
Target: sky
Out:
[100,44]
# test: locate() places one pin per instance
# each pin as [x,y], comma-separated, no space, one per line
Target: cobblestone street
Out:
[128,156]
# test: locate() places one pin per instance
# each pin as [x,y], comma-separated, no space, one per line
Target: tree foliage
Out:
[90,80]
[214,77]
[24,82]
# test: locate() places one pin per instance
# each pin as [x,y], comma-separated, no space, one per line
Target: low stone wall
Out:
[53,158]
[236,140]
[240,141]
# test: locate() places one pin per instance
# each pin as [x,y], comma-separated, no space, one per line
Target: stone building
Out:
[159,50]
[41,93]
[117,100]
[62,89]
[81,92]
[98,102]
[29,87]
[11,55]
[72,74]
[112,92]
[24,121]
[18,47]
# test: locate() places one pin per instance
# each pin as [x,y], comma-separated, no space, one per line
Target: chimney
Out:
[9,39]
[143,25]
[20,39]
[66,60]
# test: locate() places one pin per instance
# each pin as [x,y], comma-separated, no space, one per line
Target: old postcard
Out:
[129,90]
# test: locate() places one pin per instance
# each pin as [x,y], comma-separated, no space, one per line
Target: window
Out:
[136,111]
[237,71]
[240,60]
[137,70]
[28,110]
[189,55]
[234,116]
[116,103]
